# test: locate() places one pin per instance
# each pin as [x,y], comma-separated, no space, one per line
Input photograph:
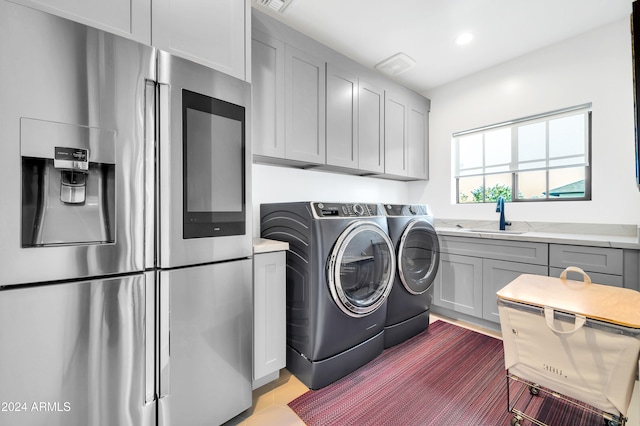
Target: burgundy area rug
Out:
[446,375]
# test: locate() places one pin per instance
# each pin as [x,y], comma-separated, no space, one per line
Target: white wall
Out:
[594,67]
[272,184]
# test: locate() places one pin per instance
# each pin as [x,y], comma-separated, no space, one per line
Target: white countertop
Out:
[263,245]
[596,235]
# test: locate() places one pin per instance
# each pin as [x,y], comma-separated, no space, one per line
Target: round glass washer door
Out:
[418,256]
[361,268]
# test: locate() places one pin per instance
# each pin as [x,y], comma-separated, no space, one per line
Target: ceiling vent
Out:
[400,62]
[274,5]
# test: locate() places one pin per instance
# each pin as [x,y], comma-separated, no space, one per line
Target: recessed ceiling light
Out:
[464,38]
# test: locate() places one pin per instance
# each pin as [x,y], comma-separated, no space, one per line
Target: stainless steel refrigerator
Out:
[125,236]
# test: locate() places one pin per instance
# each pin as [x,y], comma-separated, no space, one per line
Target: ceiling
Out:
[370,31]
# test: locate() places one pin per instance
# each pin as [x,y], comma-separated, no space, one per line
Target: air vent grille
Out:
[274,5]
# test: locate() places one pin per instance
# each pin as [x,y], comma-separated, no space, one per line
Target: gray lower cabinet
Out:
[472,270]
[269,322]
[458,284]
[604,265]
[497,274]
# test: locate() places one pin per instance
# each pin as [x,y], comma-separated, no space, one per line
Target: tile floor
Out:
[270,401]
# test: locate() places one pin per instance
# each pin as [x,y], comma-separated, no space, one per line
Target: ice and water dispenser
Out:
[68,184]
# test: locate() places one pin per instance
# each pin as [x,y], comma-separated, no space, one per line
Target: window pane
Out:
[470,151]
[566,183]
[469,172]
[470,189]
[532,165]
[497,147]
[566,136]
[567,161]
[532,142]
[532,185]
[498,185]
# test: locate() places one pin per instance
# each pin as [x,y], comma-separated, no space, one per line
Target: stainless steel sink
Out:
[493,231]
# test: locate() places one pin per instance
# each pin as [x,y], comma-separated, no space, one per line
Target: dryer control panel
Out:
[406,210]
[328,210]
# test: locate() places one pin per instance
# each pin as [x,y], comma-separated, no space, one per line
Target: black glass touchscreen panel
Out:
[213,133]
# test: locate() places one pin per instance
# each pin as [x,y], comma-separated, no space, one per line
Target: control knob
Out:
[358,209]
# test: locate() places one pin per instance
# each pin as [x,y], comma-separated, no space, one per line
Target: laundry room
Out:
[319,213]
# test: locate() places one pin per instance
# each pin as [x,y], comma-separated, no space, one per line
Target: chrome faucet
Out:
[500,209]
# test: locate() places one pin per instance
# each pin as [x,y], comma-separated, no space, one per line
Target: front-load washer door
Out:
[361,268]
[418,256]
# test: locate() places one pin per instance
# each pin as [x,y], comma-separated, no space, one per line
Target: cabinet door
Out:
[370,128]
[495,275]
[267,90]
[458,284]
[604,260]
[304,107]
[418,143]
[269,322]
[395,135]
[342,118]
[126,18]
[212,33]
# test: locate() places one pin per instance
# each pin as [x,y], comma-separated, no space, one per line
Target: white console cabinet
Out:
[269,317]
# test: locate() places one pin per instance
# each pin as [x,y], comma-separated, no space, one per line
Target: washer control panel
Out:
[345,210]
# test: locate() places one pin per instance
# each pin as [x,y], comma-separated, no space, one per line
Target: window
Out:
[540,158]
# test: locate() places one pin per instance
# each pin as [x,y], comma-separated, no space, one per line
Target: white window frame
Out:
[514,167]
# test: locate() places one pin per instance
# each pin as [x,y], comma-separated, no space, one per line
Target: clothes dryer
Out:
[417,258]
[340,271]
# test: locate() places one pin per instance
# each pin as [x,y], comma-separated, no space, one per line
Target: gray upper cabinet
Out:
[342,118]
[126,18]
[304,107]
[417,142]
[212,33]
[395,135]
[355,122]
[267,90]
[338,114]
[406,135]
[370,127]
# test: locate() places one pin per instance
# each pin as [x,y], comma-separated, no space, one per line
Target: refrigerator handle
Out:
[150,172]
[164,346]
[150,338]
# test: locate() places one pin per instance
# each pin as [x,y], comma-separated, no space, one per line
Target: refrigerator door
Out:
[205,374]
[205,163]
[72,152]
[78,353]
